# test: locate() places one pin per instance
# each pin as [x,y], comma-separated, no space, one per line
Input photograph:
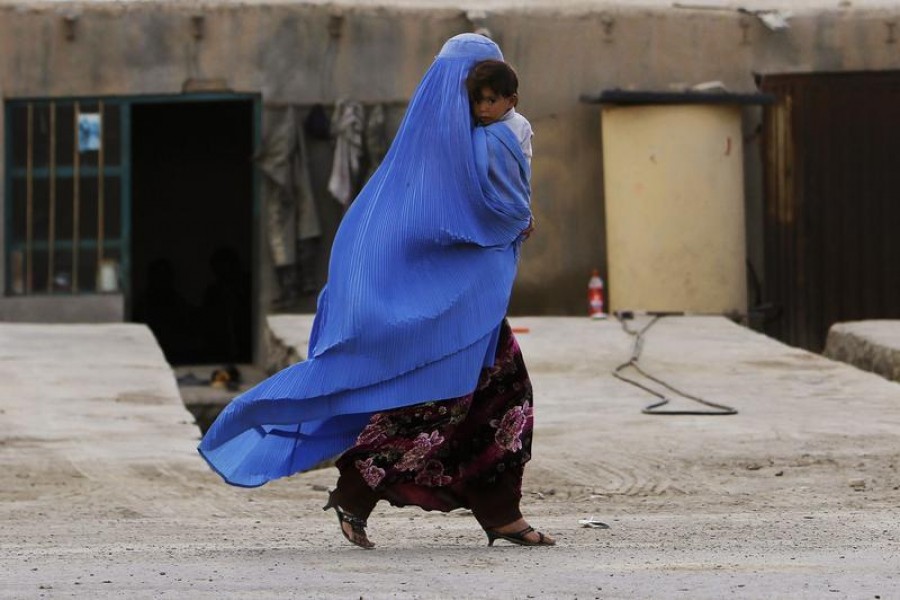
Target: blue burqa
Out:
[419,281]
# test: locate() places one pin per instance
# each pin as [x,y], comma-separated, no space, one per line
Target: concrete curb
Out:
[287,337]
[869,345]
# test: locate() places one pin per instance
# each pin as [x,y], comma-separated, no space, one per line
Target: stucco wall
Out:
[83,308]
[287,53]
[2,192]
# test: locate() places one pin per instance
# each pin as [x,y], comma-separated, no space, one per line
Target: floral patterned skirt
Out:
[446,454]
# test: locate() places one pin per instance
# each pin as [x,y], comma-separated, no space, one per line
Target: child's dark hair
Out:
[493,74]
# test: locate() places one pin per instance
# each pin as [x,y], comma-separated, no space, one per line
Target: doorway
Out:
[192,199]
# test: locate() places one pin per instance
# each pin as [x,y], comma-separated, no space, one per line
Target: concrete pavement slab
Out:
[103,495]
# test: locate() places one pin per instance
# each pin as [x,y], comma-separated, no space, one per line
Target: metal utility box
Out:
[674,197]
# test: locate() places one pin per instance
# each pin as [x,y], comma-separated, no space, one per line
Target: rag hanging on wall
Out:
[347,128]
[292,220]
[360,145]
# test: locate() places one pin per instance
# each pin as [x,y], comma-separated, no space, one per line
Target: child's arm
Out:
[504,176]
[526,233]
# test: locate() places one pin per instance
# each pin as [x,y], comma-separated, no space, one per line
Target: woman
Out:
[413,375]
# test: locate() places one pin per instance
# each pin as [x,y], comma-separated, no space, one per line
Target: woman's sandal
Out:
[357,533]
[519,538]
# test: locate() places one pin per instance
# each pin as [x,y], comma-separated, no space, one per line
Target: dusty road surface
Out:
[102,494]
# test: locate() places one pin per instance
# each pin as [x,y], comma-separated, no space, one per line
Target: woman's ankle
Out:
[511,527]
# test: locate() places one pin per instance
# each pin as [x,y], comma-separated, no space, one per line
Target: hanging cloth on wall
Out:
[347,127]
[291,213]
[308,224]
[317,123]
[376,139]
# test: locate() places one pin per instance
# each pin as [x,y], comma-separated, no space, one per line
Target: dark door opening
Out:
[192,206]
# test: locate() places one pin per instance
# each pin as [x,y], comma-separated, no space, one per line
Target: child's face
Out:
[490,106]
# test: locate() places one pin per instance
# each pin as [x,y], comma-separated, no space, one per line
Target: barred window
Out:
[65,212]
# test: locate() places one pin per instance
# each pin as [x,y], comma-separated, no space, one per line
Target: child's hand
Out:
[526,233]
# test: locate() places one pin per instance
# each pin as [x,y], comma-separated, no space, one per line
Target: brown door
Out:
[832,218]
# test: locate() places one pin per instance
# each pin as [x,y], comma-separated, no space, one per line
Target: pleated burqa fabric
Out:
[419,281]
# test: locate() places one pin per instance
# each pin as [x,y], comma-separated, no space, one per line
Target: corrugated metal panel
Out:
[832,219]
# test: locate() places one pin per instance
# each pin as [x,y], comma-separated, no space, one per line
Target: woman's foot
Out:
[353,527]
[354,534]
[521,533]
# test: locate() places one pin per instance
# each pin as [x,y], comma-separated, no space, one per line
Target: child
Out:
[493,89]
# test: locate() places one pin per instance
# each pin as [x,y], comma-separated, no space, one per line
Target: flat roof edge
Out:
[632,98]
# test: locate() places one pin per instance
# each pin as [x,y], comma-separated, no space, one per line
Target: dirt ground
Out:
[102,494]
